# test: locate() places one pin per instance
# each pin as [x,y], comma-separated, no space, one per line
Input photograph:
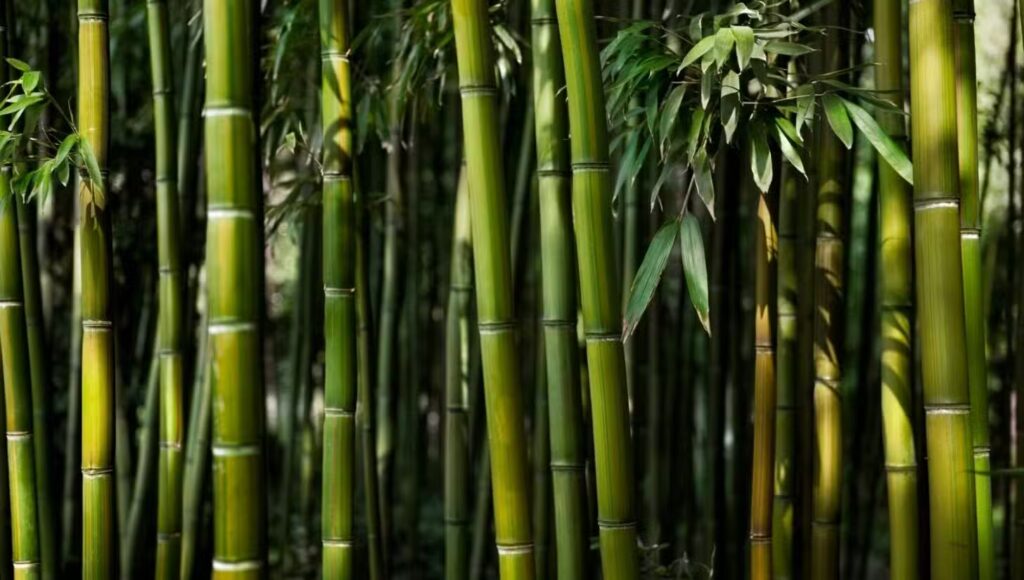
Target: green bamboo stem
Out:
[6,557]
[70,522]
[171,309]
[98,541]
[492,261]
[829,290]
[895,274]
[189,129]
[234,291]
[765,399]
[364,406]
[940,291]
[558,279]
[339,257]
[145,478]
[970,247]
[197,458]
[456,455]
[541,491]
[599,283]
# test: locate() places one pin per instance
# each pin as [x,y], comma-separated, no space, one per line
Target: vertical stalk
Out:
[234,291]
[558,280]
[339,228]
[145,476]
[456,455]
[196,458]
[940,291]
[599,281]
[492,262]
[895,275]
[974,307]
[98,541]
[70,522]
[829,289]
[171,309]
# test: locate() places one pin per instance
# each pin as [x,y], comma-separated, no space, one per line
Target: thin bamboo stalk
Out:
[940,291]
[456,455]
[197,458]
[895,275]
[599,288]
[558,279]
[339,257]
[974,307]
[493,269]
[171,288]
[70,517]
[234,291]
[145,478]
[99,551]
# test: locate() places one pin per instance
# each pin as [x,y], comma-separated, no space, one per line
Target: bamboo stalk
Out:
[339,257]
[197,458]
[171,310]
[456,455]
[970,247]
[70,517]
[98,509]
[558,279]
[599,282]
[896,280]
[940,291]
[493,269]
[145,477]
[234,291]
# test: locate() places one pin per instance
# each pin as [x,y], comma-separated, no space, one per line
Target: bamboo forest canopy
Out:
[547,289]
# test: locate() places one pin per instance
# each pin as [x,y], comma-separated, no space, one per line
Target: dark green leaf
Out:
[838,119]
[760,157]
[648,276]
[730,104]
[703,177]
[669,112]
[695,268]
[804,105]
[789,151]
[886,147]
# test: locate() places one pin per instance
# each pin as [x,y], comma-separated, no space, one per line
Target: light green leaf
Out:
[705,87]
[19,64]
[29,81]
[695,268]
[760,157]
[65,148]
[652,109]
[838,119]
[724,41]
[19,103]
[94,193]
[648,276]
[698,50]
[883,144]
[789,151]
[704,179]
[789,130]
[693,135]
[730,104]
[744,36]
[788,48]
[804,105]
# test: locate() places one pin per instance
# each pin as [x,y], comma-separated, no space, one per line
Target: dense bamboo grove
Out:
[465,289]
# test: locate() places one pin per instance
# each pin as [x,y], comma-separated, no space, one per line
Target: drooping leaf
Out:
[95,188]
[669,112]
[648,276]
[804,105]
[789,130]
[698,50]
[724,41]
[838,119]
[705,87]
[704,179]
[730,104]
[652,109]
[744,36]
[789,151]
[760,157]
[787,48]
[65,147]
[883,144]
[693,135]
[695,268]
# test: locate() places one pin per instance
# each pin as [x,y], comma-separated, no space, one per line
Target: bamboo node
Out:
[970,233]
[937,203]
[591,167]
[226,111]
[334,55]
[603,336]
[336,542]
[561,173]
[237,565]
[947,409]
[90,324]
[229,213]
[900,467]
[229,327]
[167,536]
[26,564]
[514,549]
[334,291]
[236,450]
[338,412]
[97,472]
[496,327]
[478,91]
[18,435]
[557,323]
[543,20]
[11,304]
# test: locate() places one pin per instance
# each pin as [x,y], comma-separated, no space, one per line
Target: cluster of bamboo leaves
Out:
[685,90]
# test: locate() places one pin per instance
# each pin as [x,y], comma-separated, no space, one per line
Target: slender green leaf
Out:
[744,44]
[724,41]
[838,119]
[18,64]
[698,50]
[669,113]
[789,151]
[760,156]
[886,147]
[695,268]
[648,276]
[704,179]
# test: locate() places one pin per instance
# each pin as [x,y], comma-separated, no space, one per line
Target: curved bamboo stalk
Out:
[339,241]
[234,291]
[974,307]
[895,276]
[99,551]
[599,283]
[558,278]
[171,309]
[492,262]
[940,291]
[456,455]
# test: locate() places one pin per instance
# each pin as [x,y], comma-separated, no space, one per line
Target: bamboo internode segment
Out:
[895,275]
[558,278]
[234,291]
[171,310]
[940,291]
[493,268]
[974,308]
[98,541]
[599,283]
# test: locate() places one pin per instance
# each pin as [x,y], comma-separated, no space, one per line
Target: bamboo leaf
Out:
[789,130]
[19,64]
[804,105]
[695,268]
[744,36]
[698,50]
[838,119]
[883,144]
[760,157]
[730,104]
[648,276]
[789,151]
[19,103]
[669,112]
[94,190]
[705,87]
[652,109]
[788,48]
[29,81]
[65,148]
[724,41]
[705,181]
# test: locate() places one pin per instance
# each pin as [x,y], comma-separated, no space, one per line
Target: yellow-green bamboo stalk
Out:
[457,494]
[895,275]
[234,262]
[99,550]
[339,293]
[558,278]
[171,287]
[940,291]
[493,269]
[970,247]
[599,289]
